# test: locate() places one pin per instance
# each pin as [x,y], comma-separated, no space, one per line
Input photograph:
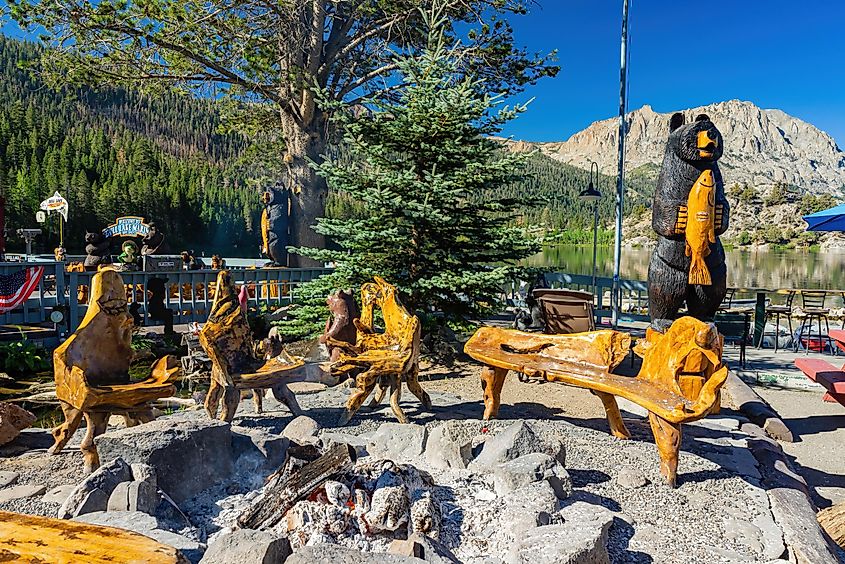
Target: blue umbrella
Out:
[832,219]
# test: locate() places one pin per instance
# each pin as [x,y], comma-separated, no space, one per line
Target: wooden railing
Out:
[189,294]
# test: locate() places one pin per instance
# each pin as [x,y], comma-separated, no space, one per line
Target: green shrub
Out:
[23,357]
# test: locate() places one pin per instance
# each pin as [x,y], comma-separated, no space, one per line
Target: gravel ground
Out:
[717,514]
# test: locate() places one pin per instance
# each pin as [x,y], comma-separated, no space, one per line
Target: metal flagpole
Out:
[620,182]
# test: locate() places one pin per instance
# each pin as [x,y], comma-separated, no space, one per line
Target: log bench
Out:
[34,539]
[91,370]
[238,362]
[826,374]
[679,381]
[381,360]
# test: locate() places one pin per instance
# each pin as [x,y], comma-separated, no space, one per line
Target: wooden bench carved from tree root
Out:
[239,363]
[34,539]
[381,360]
[679,381]
[91,370]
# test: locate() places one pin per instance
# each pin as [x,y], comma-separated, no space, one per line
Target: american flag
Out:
[18,286]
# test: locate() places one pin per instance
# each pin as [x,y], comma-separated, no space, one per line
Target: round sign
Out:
[40,217]
[57,316]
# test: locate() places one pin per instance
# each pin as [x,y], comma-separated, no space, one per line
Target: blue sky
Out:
[777,54]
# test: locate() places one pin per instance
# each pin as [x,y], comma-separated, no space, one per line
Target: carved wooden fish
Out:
[701,227]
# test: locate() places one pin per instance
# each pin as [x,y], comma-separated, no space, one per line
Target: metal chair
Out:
[566,311]
[727,300]
[813,306]
[777,311]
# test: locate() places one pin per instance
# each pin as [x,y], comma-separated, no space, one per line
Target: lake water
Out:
[746,269]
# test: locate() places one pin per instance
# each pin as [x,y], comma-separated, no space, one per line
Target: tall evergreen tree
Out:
[418,165]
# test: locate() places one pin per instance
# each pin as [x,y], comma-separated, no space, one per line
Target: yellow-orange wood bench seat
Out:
[679,381]
[33,539]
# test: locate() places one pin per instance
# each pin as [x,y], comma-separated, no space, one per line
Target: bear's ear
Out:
[676,121]
[702,117]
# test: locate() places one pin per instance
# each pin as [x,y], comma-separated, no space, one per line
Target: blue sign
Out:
[129,226]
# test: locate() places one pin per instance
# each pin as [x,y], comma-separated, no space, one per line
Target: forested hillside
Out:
[111,152]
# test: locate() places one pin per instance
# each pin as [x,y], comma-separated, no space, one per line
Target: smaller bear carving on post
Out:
[689,214]
[339,325]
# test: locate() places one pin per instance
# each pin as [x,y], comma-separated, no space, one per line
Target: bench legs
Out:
[492,380]
[364,382]
[97,423]
[667,437]
[283,394]
[614,418]
[231,398]
[63,433]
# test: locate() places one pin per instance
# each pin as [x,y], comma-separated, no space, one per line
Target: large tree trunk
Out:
[309,191]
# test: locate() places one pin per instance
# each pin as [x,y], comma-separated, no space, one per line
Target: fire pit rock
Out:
[582,537]
[92,494]
[177,449]
[518,439]
[302,430]
[246,546]
[531,468]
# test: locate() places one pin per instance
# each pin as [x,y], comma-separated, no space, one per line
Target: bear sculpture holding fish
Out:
[689,214]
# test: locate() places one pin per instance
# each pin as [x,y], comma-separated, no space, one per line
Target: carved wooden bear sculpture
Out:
[274,224]
[98,249]
[689,213]
[339,326]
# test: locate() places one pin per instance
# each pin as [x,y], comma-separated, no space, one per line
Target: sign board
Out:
[55,203]
[159,264]
[40,217]
[128,226]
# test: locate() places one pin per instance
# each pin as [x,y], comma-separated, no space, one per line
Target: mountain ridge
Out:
[762,146]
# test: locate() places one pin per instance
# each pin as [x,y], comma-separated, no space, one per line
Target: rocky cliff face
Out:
[762,147]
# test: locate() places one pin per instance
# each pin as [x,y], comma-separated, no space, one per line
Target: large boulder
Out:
[13,420]
[189,456]
[246,546]
[514,441]
[581,539]
[334,554]
[92,494]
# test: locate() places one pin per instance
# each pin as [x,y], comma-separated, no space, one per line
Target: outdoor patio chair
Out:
[814,309]
[777,311]
[566,311]
[727,300]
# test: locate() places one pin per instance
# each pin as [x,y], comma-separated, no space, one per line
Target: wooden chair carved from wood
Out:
[679,382]
[381,359]
[239,363]
[91,370]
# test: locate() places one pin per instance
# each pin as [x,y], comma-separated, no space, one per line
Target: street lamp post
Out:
[620,179]
[592,194]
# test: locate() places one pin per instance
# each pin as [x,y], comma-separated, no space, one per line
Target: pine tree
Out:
[423,170]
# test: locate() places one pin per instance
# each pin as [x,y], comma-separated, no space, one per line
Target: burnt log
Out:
[288,486]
